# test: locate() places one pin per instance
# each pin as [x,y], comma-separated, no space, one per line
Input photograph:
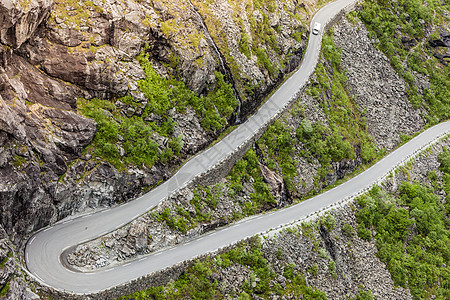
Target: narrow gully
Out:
[223,66]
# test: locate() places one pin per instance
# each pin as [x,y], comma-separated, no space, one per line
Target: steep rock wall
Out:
[147,234]
[54,52]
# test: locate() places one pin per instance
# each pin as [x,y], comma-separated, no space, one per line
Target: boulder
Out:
[19,19]
[444,41]
[274,181]
[11,121]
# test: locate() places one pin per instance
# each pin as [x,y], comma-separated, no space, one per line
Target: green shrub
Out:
[297,286]
[382,21]
[332,269]
[323,253]
[368,152]
[4,290]
[348,230]
[264,61]
[329,221]
[364,295]
[413,240]
[244,45]
[314,270]
[364,233]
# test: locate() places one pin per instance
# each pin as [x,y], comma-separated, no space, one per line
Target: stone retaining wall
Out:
[224,167]
[158,278]
[211,176]
[164,276]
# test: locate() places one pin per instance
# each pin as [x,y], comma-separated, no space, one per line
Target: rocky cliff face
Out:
[261,43]
[20,20]
[54,52]
[396,117]
[12,283]
[40,134]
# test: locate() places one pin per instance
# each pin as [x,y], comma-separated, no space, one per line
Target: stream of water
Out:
[223,65]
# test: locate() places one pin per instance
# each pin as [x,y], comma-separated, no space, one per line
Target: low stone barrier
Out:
[220,170]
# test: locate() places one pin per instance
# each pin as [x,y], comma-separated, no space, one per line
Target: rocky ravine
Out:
[396,117]
[56,51]
[52,53]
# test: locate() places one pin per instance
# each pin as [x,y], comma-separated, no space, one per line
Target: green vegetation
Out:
[279,144]
[78,15]
[314,270]
[263,35]
[332,268]
[346,129]
[198,281]
[244,45]
[444,160]
[19,161]
[412,234]
[135,133]
[364,295]
[389,22]
[206,198]
[258,38]
[204,201]
[344,118]
[4,290]
[162,95]
[348,230]
[264,61]
[5,259]
[298,286]
[247,168]
[329,221]
[123,140]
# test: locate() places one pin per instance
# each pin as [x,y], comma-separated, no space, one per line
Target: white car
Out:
[316,28]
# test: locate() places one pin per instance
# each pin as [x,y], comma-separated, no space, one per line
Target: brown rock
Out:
[274,182]
[20,20]
[11,121]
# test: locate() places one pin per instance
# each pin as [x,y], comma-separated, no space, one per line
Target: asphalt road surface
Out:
[44,249]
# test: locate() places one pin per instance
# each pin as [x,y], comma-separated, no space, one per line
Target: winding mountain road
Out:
[44,249]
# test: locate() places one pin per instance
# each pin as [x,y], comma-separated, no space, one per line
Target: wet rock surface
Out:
[442,47]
